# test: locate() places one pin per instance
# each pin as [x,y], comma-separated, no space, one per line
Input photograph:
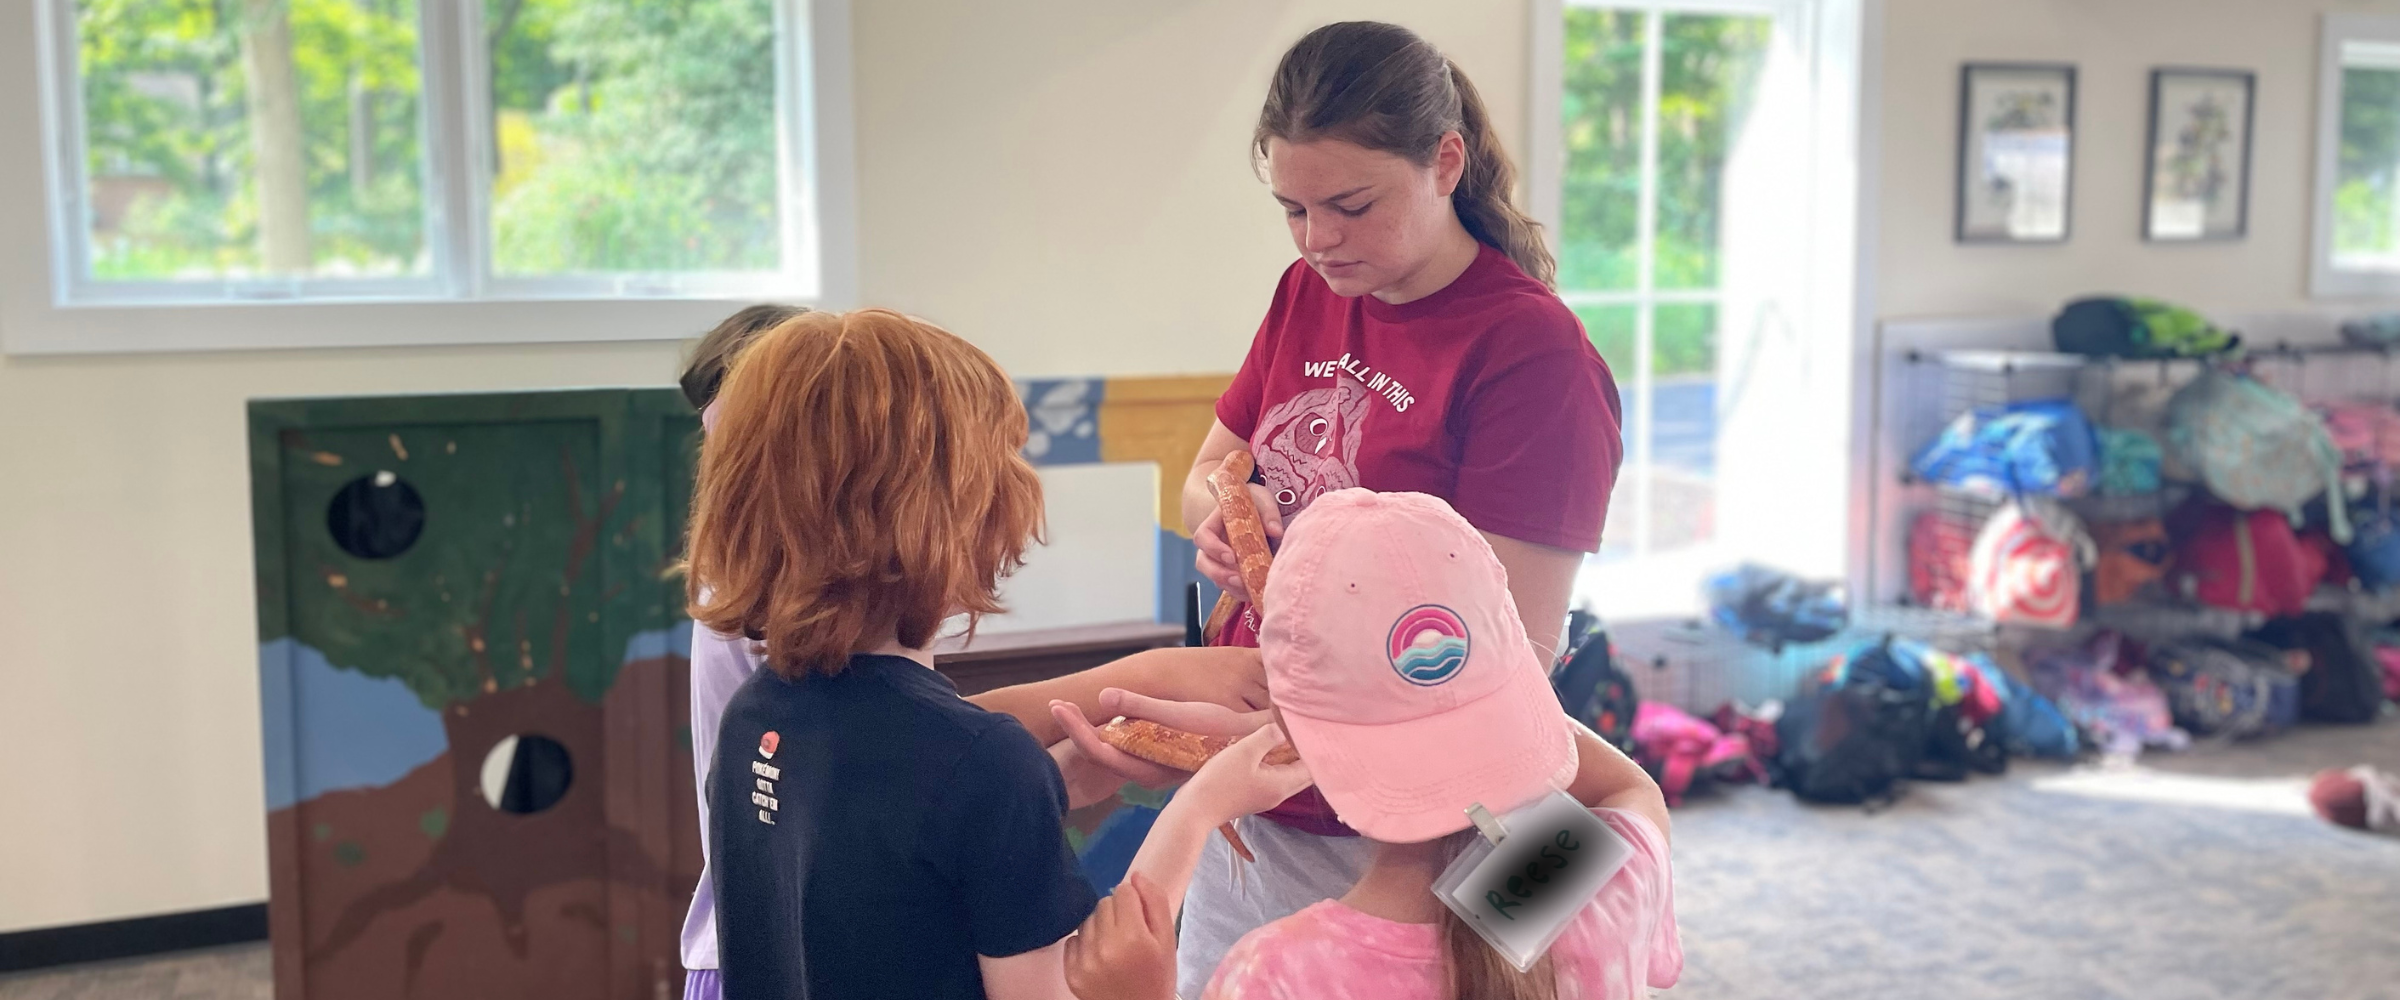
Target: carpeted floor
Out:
[2199,875]
[2193,876]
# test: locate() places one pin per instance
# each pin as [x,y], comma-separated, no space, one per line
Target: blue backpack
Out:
[2034,447]
[2129,463]
[2374,550]
[1771,608]
[2029,725]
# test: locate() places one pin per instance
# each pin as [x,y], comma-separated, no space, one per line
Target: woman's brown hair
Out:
[862,484]
[704,371]
[1476,971]
[1380,86]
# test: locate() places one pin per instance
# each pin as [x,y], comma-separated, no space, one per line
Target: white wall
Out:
[2115,44]
[1063,181]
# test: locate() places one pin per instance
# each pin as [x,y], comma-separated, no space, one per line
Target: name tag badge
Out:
[1520,894]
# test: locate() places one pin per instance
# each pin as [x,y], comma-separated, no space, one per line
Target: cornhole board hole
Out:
[472,659]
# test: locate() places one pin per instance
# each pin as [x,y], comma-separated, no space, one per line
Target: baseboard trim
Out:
[48,946]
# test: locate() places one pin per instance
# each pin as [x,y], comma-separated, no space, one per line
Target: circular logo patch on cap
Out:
[1428,645]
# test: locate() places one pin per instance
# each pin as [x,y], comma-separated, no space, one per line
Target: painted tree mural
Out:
[510,577]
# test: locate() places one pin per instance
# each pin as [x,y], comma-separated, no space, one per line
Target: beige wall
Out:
[1064,182]
[2115,44]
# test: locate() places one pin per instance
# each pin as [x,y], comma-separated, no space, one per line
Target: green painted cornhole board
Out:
[533,610]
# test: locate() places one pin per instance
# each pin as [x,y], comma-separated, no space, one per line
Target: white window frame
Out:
[1547,176]
[2326,280]
[64,311]
[1830,326]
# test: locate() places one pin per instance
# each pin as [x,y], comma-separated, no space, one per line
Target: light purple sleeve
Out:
[719,666]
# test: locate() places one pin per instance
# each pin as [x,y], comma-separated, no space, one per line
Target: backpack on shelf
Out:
[2039,447]
[2118,327]
[2378,330]
[2256,447]
[2130,462]
[2344,680]
[1590,686]
[2374,550]
[2132,555]
[1939,548]
[2367,435]
[2246,561]
[2027,565]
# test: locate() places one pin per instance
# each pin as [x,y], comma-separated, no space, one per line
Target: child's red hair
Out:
[863,483]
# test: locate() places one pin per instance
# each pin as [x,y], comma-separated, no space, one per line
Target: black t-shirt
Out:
[884,835]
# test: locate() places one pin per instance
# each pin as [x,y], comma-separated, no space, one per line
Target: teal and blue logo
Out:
[1428,645]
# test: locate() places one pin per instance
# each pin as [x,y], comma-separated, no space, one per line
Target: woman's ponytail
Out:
[1484,190]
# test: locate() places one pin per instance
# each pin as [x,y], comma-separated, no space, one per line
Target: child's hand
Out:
[1126,949]
[1240,782]
[1089,751]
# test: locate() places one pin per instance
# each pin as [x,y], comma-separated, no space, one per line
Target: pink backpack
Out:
[2368,436]
[1678,749]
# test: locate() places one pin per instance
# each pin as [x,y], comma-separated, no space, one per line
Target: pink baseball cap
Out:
[1396,658]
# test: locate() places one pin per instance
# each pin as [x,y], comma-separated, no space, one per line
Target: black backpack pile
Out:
[1874,724]
[1856,738]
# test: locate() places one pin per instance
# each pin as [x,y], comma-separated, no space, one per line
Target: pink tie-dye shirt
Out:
[1620,947]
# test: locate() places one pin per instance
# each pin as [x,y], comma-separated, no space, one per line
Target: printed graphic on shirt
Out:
[1379,383]
[768,775]
[1307,446]
[1428,645]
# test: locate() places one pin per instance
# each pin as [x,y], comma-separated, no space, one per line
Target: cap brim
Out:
[1407,782]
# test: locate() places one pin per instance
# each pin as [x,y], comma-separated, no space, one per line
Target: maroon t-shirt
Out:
[1486,393]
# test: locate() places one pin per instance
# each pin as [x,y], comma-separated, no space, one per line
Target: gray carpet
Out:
[239,972]
[2198,875]
[2194,876]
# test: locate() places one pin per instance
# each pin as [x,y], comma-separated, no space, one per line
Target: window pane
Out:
[1679,425]
[1684,343]
[1709,69]
[240,138]
[634,135]
[1612,332]
[1601,128]
[1683,418]
[2364,235]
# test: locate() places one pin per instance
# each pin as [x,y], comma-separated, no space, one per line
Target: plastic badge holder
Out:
[1531,873]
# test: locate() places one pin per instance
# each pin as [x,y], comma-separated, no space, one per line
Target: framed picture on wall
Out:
[2199,179]
[2016,152]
